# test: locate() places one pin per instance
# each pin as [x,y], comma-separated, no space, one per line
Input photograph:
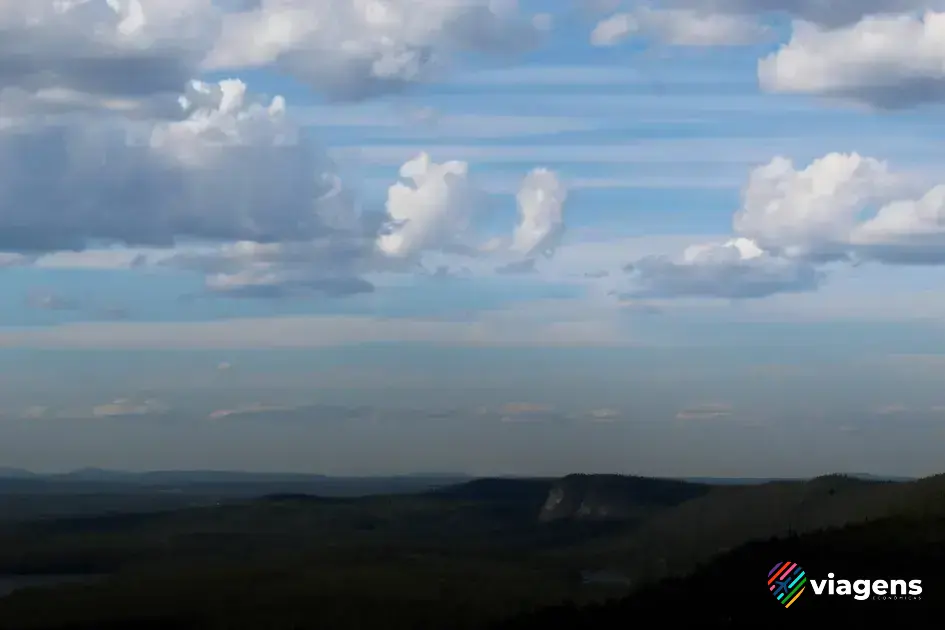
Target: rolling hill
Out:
[488,547]
[730,591]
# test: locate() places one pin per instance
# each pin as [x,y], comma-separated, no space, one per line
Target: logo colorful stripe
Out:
[786,581]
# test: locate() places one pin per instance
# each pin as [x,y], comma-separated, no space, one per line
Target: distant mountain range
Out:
[162,477]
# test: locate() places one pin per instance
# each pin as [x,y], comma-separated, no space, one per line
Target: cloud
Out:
[428,213]
[251,409]
[831,14]
[708,411]
[282,285]
[679,27]
[541,199]
[736,269]
[117,52]
[603,415]
[811,212]
[351,49]
[11,259]
[331,266]
[599,6]
[143,166]
[51,301]
[613,30]
[124,54]
[894,409]
[525,412]
[115,258]
[229,170]
[128,407]
[889,62]
[429,209]
[518,408]
[841,207]
[35,412]
[519,267]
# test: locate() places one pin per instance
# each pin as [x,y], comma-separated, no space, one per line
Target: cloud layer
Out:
[108,138]
[354,49]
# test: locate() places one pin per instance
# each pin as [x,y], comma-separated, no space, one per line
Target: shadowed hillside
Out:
[603,497]
[725,517]
[731,591]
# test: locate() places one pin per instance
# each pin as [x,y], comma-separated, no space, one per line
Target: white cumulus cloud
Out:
[429,208]
[884,61]
[839,208]
[541,200]
[613,30]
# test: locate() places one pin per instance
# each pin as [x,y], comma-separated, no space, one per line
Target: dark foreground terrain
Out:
[576,552]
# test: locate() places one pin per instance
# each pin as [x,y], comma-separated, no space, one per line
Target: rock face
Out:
[613,497]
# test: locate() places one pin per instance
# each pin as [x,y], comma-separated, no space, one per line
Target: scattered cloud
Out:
[840,208]
[518,267]
[679,27]
[613,30]
[707,411]
[429,209]
[351,50]
[52,302]
[129,407]
[250,409]
[524,408]
[541,201]
[114,258]
[10,259]
[35,412]
[603,415]
[214,165]
[736,269]
[892,410]
[832,14]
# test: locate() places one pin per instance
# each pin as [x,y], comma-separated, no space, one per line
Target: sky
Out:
[676,238]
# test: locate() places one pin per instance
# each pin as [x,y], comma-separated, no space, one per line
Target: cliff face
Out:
[613,497]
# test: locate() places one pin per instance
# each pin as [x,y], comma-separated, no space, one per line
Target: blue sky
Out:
[729,220]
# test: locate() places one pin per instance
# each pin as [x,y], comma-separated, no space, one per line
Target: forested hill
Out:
[731,591]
